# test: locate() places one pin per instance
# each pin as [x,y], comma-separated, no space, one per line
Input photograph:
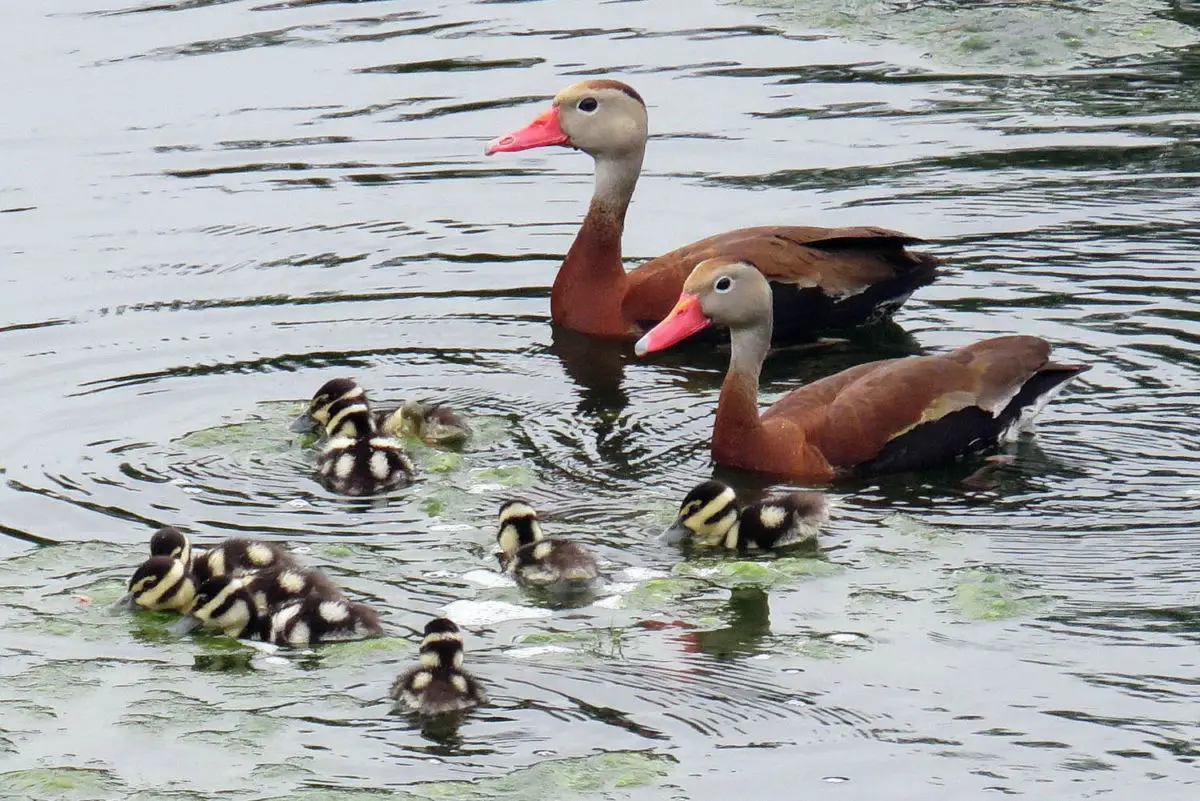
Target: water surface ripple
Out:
[212,206]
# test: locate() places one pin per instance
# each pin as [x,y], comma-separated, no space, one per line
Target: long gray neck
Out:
[748,349]
[616,178]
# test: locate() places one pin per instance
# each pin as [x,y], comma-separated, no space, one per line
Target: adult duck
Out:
[879,417]
[821,278]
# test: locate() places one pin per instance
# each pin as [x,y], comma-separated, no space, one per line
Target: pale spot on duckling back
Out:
[381,468]
[333,612]
[291,582]
[783,520]
[344,466]
[260,555]
[214,562]
[772,516]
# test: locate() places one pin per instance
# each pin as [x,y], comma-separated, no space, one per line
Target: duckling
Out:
[355,459]
[234,556]
[710,513]
[432,423]
[533,560]
[161,583]
[439,684]
[284,607]
[271,588]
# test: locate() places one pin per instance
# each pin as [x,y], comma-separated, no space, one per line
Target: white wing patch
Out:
[344,466]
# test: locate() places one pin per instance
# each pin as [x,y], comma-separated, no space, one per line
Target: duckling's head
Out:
[442,645]
[160,583]
[782,520]
[411,416]
[708,512]
[518,526]
[170,541]
[221,603]
[340,407]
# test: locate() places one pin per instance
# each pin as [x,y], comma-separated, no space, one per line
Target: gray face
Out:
[734,294]
[602,122]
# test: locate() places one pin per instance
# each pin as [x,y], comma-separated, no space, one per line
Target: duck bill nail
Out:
[183,625]
[303,424]
[126,603]
[684,320]
[545,130]
[676,532]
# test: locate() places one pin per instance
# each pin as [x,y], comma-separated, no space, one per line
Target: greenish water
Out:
[209,208]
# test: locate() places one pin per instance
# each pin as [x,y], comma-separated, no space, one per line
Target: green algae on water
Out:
[915,527]
[1001,36]
[546,781]
[65,783]
[769,573]
[980,594]
[516,475]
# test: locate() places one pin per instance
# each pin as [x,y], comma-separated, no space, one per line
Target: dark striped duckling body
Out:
[161,584]
[439,684]
[284,607]
[535,561]
[710,514]
[355,459]
[432,423]
[234,556]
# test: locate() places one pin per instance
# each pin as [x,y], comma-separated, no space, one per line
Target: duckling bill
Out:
[709,513]
[356,458]
[535,561]
[439,684]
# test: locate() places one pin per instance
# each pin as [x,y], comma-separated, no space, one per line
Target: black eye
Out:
[723,284]
[587,105]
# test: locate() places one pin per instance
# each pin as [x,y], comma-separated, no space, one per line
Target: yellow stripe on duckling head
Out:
[441,636]
[151,591]
[519,525]
[343,427]
[713,520]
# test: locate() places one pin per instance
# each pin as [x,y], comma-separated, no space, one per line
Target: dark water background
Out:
[209,208]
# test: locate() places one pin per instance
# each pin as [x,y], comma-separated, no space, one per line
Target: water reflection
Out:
[315,201]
